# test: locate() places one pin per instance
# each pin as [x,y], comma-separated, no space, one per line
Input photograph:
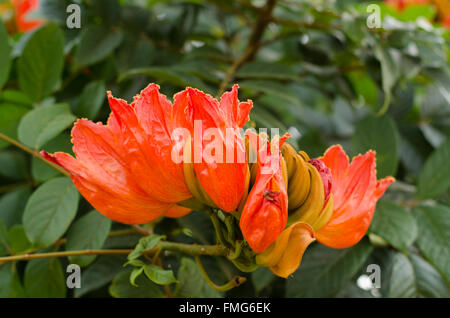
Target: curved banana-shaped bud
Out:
[298,178]
[283,256]
[190,178]
[310,210]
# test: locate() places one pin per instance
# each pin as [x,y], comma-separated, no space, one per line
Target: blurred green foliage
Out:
[312,68]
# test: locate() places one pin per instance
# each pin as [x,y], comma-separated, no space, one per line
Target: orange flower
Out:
[219,159]
[124,169]
[401,5]
[356,192]
[338,219]
[23,8]
[264,215]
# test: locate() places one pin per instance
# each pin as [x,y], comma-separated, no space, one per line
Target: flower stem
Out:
[34,153]
[235,282]
[193,249]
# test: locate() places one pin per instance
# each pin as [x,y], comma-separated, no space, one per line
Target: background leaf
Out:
[43,124]
[44,278]
[88,232]
[50,210]
[435,176]
[41,63]
[395,224]
[433,238]
[379,134]
[324,270]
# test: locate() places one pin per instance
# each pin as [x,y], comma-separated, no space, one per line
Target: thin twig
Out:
[192,249]
[34,153]
[235,282]
[254,43]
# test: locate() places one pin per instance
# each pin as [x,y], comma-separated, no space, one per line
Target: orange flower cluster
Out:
[442,6]
[22,9]
[129,171]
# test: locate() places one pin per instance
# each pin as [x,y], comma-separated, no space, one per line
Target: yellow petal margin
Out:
[283,257]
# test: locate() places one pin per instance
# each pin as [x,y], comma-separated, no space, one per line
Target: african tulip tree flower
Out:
[125,168]
[338,219]
[23,8]
[219,159]
[264,215]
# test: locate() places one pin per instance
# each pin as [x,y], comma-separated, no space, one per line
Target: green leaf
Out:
[50,210]
[44,278]
[13,165]
[4,243]
[435,177]
[136,272]
[272,87]
[390,60]
[191,282]
[41,64]
[10,282]
[43,124]
[261,278]
[88,232]
[395,224]
[399,280]
[121,287]
[434,235]
[96,43]
[145,244]
[171,75]
[264,70]
[41,171]
[19,240]
[428,280]
[379,134]
[5,55]
[91,100]
[100,273]
[324,271]
[10,116]
[12,205]
[159,275]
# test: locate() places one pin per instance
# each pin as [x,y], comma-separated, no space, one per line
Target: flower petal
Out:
[118,202]
[284,256]
[356,191]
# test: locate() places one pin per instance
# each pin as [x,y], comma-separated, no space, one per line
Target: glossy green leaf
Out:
[19,240]
[395,224]
[428,280]
[43,124]
[13,165]
[435,177]
[4,242]
[5,55]
[159,275]
[100,273]
[97,42]
[434,235]
[324,270]
[145,244]
[379,134]
[12,205]
[50,210]
[191,282]
[10,282]
[10,116]
[121,287]
[87,233]
[44,278]
[91,100]
[41,64]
